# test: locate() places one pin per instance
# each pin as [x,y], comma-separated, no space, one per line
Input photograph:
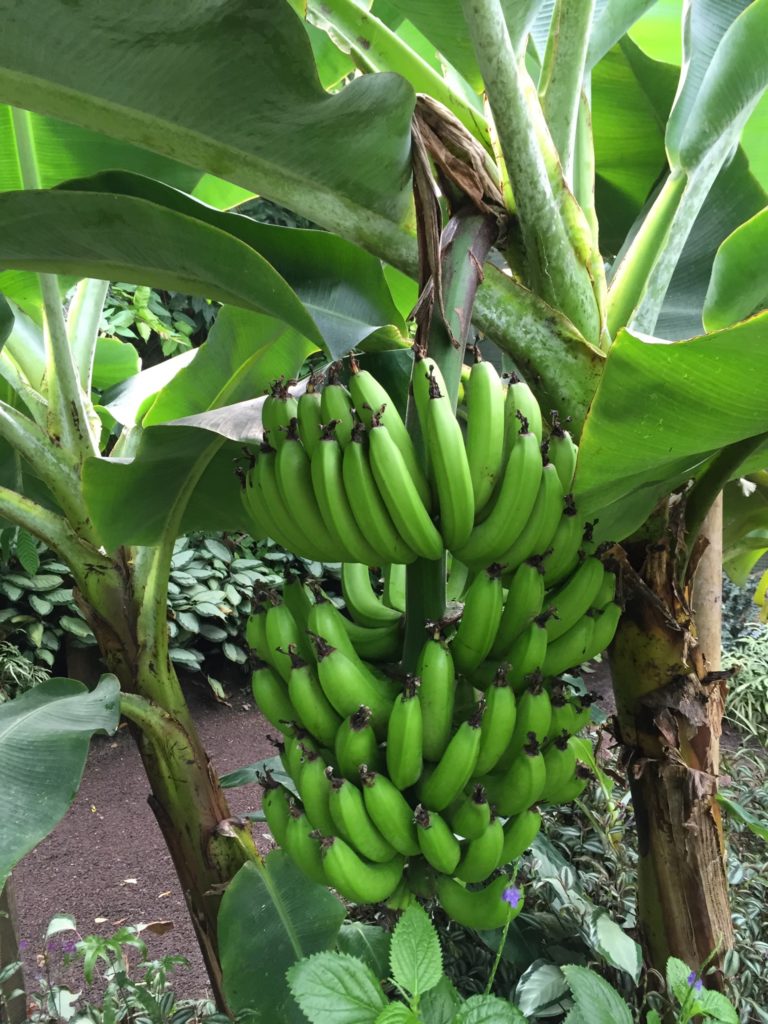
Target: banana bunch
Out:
[428,783]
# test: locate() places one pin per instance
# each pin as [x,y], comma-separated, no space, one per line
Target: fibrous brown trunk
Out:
[13,1008]
[670,699]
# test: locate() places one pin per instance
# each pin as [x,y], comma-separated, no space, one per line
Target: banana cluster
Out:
[427,783]
[414,784]
[338,478]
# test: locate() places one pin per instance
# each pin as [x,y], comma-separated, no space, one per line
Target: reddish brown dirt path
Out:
[107,859]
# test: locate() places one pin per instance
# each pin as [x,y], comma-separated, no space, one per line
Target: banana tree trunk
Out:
[207,846]
[670,699]
[13,1008]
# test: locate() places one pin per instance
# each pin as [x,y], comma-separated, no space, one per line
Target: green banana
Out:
[259,523]
[448,464]
[302,846]
[606,622]
[521,401]
[271,695]
[436,671]
[282,632]
[336,405]
[363,604]
[355,744]
[469,816]
[519,833]
[299,599]
[534,715]
[574,786]
[480,620]
[482,910]
[456,583]
[355,878]
[454,769]
[310,419]
[390,812]
[276,807]
[394,586]
[569,714]
[571,649]
[575,597]
[521,785]
[373,404]
[347,687]
[563,452]
[367,505]
[527,654]
[337,515]
[437,842]
[382,643]
[283,527]
[607,591]
[315,791]
[256,628]
[512,507]
[538,532]
[480,857]
[560,764]
[498,724]
[523,603]
[294,481]
[562,557]
[347,808]
[297,740]
[404,736]
[485,431]
[401,497]
[278,410]
[311,704]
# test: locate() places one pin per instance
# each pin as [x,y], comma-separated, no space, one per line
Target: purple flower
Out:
[511,895]
[695,981]
[23,944]
[68,945]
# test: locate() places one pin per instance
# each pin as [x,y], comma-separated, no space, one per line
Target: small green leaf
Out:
[652,1017]
[415,957]
[336,987]
[397,1013]
[759,828]
[488,1010]
[27,553]
[40,604]
[678,974]
[542,985]
[188,621]
[77,627]
[367,942]
[611,941]
[717,1006]
[735,290]
[217,549]
[440,1004]
[598,1001]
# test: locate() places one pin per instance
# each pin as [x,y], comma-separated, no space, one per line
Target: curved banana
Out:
[521,401]
[482,910]
[380,643]
[256,628]
[575,597]
[347,687]
[355,878]
[354,823]
[315,791]
[336,405]
[393,594]
[571,649]
[389,811]
[282,632]
[456,583]
[404,736]
[480,857]
[356,744]
[362,601]
[607,591]
[296,742]
[311,704]
[400,494]
[606,623]
[560,764]
[519,833]
[271,695]
[276,806]
[326,469]
[367,505]
[480,620]
[569,714]
[299,599]
[527,654]
[437,842]
[562,557]
[302,846]
[521,785]
[294,480]
[455,768]
[534,716]
[497,726]
[282,526]
[469,816]
[310,420]
[524,601]
[512,507]
[436,671]
[563,452]
[278,410]
[485,431]
[448,465]
[372,402]
[538,532]
[574,787]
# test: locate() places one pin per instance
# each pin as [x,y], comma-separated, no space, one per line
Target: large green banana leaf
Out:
[44,738]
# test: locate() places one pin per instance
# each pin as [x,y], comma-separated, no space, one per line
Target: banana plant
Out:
[620,145]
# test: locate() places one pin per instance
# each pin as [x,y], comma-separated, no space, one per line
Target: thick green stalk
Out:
[378,48]
[83,326]
[12,374]
[555,235]
[562,75]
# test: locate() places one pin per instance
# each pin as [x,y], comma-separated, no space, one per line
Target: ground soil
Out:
[106,862]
